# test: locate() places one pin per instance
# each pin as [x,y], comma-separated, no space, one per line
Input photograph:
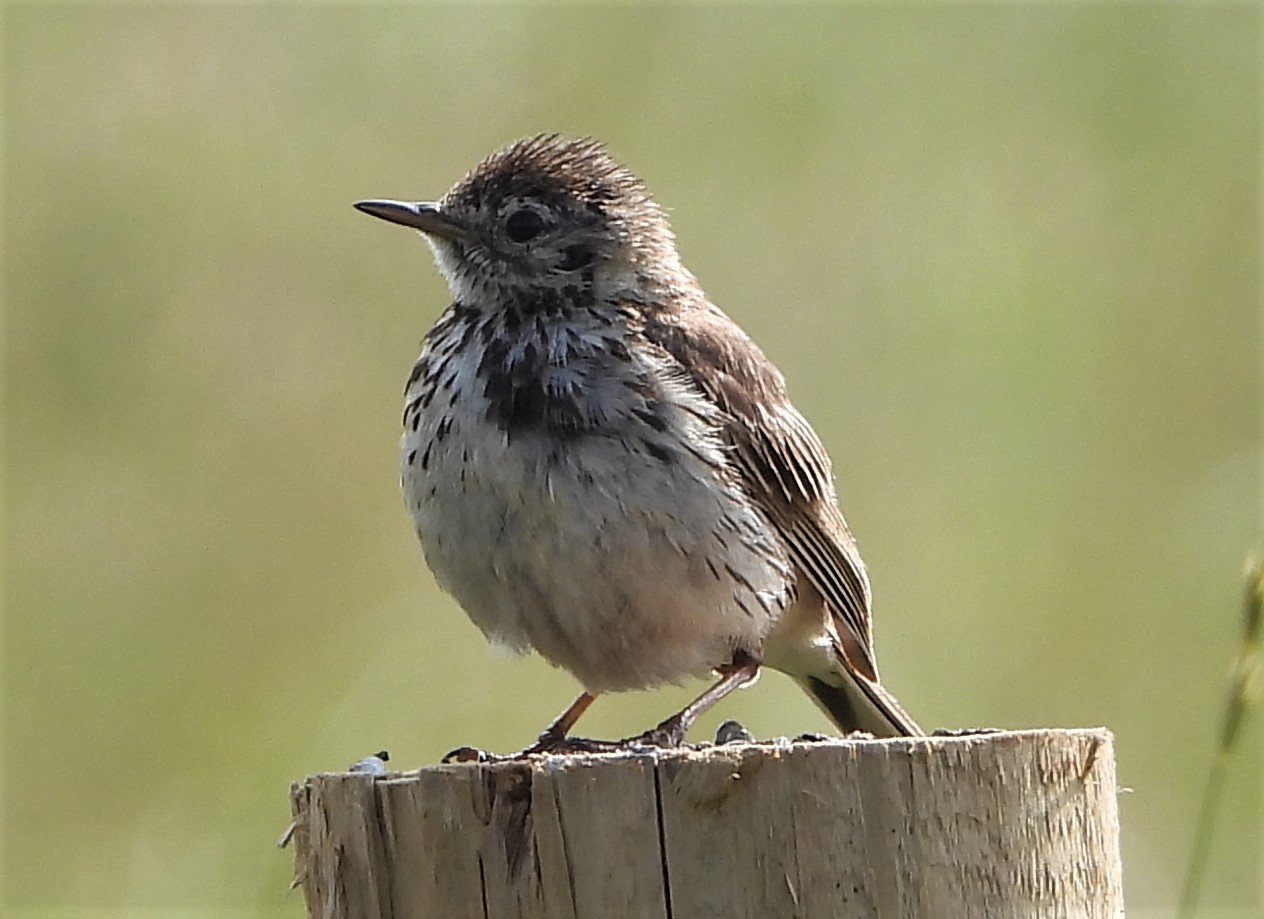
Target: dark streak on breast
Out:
[515,369]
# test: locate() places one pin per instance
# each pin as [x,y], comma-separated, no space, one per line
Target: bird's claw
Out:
[559,745]
[965,732]
[547,745]
[666,736]
[469,755]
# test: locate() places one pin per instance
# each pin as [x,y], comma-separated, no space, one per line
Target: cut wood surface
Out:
[983,825]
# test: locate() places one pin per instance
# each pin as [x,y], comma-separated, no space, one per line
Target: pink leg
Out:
[672,731]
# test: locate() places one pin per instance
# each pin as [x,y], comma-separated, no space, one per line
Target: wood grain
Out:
[988,825]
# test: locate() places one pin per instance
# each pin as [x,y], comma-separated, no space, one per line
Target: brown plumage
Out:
[604,468]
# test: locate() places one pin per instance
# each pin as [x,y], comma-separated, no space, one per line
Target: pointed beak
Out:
[421,215]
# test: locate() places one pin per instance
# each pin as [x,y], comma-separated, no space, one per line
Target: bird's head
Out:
[544,214]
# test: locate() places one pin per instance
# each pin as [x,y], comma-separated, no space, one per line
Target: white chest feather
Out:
[569,489]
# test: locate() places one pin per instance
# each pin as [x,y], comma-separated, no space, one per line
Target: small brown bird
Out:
[604,468]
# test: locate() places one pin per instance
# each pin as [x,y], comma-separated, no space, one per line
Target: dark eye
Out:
[524,225]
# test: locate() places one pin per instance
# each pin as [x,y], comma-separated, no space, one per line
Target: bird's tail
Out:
[855,703]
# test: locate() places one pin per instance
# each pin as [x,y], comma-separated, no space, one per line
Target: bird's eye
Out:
[524,225]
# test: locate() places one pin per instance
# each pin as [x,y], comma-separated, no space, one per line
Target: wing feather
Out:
[781,461]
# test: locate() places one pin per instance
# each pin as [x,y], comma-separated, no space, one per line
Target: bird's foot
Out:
[471,755]
[561,745]
[548,744]
[667,735]
[965,732]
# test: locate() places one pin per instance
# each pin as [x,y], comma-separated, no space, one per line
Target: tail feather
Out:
[861,705]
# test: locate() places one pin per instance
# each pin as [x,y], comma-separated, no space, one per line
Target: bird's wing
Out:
[782,463]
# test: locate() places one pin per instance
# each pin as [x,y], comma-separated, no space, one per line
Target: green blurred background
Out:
[1008,257]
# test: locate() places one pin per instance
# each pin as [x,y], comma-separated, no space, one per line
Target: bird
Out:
[603,468]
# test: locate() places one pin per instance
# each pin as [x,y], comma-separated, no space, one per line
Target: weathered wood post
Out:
[990,825]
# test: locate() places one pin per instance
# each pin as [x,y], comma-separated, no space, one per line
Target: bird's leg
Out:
[671,732]
[563,723]
[552,740]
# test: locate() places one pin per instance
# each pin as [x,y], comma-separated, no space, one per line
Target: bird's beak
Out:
[422,215]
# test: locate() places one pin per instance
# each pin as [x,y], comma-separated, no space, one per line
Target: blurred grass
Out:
[1007,255]
[1244,685]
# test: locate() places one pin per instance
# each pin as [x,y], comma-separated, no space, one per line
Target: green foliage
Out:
[1006,254]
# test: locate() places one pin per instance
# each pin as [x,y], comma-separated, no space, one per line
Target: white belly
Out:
[622,567]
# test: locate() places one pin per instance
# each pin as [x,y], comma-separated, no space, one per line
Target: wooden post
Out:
[987,825]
